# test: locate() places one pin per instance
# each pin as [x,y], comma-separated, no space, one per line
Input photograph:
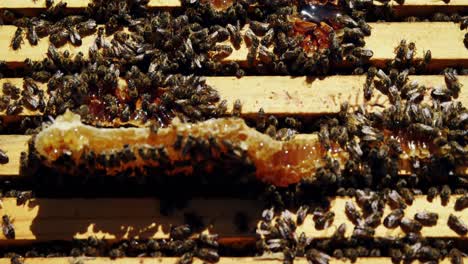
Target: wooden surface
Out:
[282,95]
[384,38]
[223,260]
[40,4]
[12,145]
[410,8]
[65,219]
[302,97]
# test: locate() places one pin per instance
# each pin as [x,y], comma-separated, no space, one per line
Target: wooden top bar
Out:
[385,37]
[13,145]
[301,96]
[223,260]
[65,219]
[40,4]
[410,8]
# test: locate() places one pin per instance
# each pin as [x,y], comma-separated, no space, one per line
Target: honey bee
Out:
[4,159]
[74,36]
[235,35]
[465,40]
[210,240]
[457,225]
[315,256]
[265,55]
[17,39]
[259,28]
[301,214]
[207,254]
[49,3]
[452,82]
[32,35]
[186,258]
[409,225]
[393,219]
[427,218]
[14,108]
[8,228]
[17,259]
[22,197]
[60,37]
[221,51]
[407,195]
[363,232]
[445,193]
[352,213]
[87,27]
[250,38]
[180,232]
[373,220]
[57,10]
[431,193]
[456,257]
[237,109]
[324,220]
[461,203]
[267,40]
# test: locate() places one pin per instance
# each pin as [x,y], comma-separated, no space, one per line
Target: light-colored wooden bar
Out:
[277,95]
[41,4]
[65,219]
[115,219]
[282,95]
[420,204]
[13,145]
[301,96]
[410,7]
[223,260]
[385,37]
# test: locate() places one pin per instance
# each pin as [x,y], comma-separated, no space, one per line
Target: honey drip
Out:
[276,162]
[312,24]
[220,5]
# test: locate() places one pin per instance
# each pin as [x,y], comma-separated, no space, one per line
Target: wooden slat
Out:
[223,260]
[302,96]
[282,95]
[384,38]
[410,8]
[40,4]
[65,219]
[276,94]
[13,145]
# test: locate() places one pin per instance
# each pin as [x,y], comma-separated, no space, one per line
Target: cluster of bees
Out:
[279,234]
[183,242]
[157,45]
[160,55]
